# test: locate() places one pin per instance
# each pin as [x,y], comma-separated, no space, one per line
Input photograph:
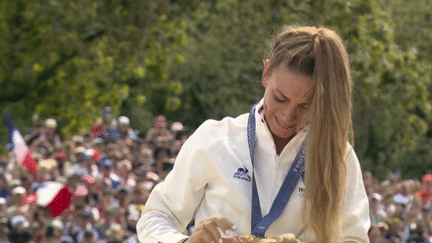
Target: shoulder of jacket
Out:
[212,130]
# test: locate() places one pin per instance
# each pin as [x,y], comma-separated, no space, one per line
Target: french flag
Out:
[54,196]
[20,148]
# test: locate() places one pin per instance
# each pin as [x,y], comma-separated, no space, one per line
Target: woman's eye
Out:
[304,107]
[277,99]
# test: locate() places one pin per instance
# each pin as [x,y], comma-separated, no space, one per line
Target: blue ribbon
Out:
[259,224]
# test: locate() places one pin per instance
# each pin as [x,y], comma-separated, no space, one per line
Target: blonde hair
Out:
[320,54]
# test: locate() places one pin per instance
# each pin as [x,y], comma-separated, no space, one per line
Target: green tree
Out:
[68,59]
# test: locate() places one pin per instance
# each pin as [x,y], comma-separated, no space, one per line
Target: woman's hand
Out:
[285,238]
[212,229]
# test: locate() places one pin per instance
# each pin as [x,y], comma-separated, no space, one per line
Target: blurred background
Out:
[192,60]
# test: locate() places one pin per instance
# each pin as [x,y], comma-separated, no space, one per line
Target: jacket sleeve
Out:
[356,221]
[172,203]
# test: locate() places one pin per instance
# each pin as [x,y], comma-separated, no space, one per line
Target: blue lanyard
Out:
[259,224]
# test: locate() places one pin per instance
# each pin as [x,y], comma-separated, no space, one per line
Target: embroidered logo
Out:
[242,174]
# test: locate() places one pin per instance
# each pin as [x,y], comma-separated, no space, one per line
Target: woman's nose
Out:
[289,115]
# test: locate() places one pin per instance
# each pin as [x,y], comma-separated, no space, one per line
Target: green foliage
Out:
[68,59]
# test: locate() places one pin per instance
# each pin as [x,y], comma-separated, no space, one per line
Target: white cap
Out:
[176,126]
[400,199]
[50,122]
[376,196]
[77,139]
[123,120]
[19,190]
[19,220]
[57,224]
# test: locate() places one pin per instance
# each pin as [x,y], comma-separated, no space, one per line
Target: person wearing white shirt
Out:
[284,171]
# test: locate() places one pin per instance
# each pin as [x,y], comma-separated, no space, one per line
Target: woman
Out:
[231,173]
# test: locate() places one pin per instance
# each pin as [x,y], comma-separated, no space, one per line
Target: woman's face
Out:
[286,99]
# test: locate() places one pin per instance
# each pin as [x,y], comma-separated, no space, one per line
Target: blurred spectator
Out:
[3,206]
[4,189]
[54,232]
[163,162]
[86,231]
[48,139]
[389,205]
[125,132]
[377,213]
[111,133]
[4,230]
[177,131]
[124,169]
[375,234]
[35,131]
[417,234]
[395,232]
[19,230]
[158,130]
[425,193]
[146,159]
[97,128]
[425,196]
[18,206]
[107,171]
[400,202]
[61,160]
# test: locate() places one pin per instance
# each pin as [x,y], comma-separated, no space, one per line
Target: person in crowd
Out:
[19,232]
[103,225]
[177,132]
[111,133]
[125,131]
[139,195]
[159,130]
[377,213]
[396,230]
[374,234]
[85,225]
[49,139]
[17,203]
[4,188]
[146,159]
[4,229]
[425,197]
[389,204]
[124,169]
[163,163]
[35,131]
[228,173]
[108,173]
[425,193]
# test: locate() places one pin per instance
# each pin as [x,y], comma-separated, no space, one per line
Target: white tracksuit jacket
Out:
[204,182]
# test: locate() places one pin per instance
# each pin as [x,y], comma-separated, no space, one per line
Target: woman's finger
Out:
[286,238]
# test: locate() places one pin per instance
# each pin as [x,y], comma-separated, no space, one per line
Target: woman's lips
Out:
[283,126]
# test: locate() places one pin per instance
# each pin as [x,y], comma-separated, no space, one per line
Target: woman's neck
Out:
[280,143]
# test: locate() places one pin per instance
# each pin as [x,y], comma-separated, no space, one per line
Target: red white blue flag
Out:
[19,147]
[54,196]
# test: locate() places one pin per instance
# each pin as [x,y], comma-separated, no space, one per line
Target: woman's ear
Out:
[265,73]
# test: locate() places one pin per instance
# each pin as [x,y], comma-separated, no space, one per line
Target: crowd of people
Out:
[400,210]
[110,170]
